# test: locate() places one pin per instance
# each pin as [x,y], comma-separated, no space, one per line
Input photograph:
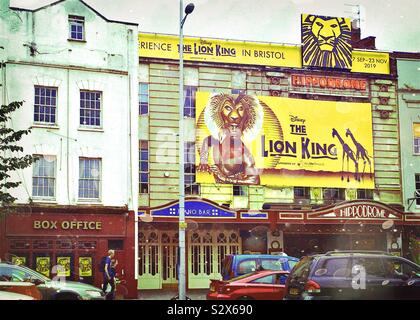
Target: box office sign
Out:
[242,139]
[67,225]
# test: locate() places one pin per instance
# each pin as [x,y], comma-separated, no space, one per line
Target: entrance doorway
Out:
[206,251]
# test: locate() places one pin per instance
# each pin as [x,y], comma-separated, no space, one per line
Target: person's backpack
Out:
[102,264]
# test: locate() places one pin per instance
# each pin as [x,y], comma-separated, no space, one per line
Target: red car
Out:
[260,285]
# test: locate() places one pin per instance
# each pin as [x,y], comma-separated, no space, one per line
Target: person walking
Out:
[107,272]
[113,281]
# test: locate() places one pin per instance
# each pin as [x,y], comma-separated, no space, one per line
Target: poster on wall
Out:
[19,261]
[43,265]
[244,139]
[326,42]
[85,266]
[64,266]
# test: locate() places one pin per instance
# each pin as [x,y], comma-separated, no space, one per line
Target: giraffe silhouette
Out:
[349,154]
[361,152]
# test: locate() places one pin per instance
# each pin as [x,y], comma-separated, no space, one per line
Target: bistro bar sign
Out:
[193,209]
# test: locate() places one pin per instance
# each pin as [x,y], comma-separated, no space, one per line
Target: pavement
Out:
[168,294]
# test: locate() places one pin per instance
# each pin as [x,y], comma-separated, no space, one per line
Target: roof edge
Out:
[87,5]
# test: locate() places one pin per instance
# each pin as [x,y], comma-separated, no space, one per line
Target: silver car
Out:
[50,289]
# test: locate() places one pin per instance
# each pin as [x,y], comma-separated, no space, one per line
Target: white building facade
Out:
[76,72]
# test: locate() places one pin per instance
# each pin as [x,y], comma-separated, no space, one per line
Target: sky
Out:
[394,23]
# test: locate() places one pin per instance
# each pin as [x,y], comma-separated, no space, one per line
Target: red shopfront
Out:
[70,245]
[348,225]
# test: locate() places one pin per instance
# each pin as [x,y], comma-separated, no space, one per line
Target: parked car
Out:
[6,295]
[354,275]
[259,285]
[234,265]
[25,288]
[50,290]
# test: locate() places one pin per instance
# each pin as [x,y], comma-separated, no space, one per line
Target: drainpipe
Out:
[68,138]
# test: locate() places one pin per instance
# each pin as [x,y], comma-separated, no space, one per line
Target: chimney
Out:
[356,42]
[355,31]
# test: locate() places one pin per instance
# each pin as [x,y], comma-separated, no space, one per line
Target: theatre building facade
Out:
[285,151]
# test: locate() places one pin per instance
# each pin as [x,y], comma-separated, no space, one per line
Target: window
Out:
[397,268]
[332,194]
[333,268]
[43,177]
[302,192]
[416,138]
[115,244]
[45,105]
[76,28]
[144,166]
[270,264]
[266,280]
[143,98]
[189,102]
[240,190]
[372,266]
[89,178]
[364,194]
[90,108]
[191,187]
[247,266]
[417,195]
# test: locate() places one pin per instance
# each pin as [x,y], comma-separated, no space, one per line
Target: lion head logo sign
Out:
[326,42]
[231,120]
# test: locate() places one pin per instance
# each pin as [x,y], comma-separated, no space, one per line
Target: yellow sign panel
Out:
[223,51]
[370,62]
[85,266]
[43,265]
[64,266]
[326,41]
[247,53]
[277,141]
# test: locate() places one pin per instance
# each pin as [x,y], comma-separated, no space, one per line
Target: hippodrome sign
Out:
[328,82]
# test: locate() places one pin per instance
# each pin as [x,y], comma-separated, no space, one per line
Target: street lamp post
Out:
[182,276]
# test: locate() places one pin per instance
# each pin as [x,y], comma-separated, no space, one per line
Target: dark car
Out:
[50,290]
[234,265]
[354,275]
[259,285]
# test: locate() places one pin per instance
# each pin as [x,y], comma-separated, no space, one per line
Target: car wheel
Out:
[245,298]
[66,296]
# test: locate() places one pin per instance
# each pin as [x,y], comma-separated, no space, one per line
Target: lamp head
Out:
[189,8]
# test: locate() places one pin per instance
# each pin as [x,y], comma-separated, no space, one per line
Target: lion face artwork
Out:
[231,120]
[326,42]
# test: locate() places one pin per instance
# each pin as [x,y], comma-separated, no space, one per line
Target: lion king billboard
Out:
[244,139]
[326,42]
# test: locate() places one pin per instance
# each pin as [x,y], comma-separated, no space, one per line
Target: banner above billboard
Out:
[247,53]
[242,139]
